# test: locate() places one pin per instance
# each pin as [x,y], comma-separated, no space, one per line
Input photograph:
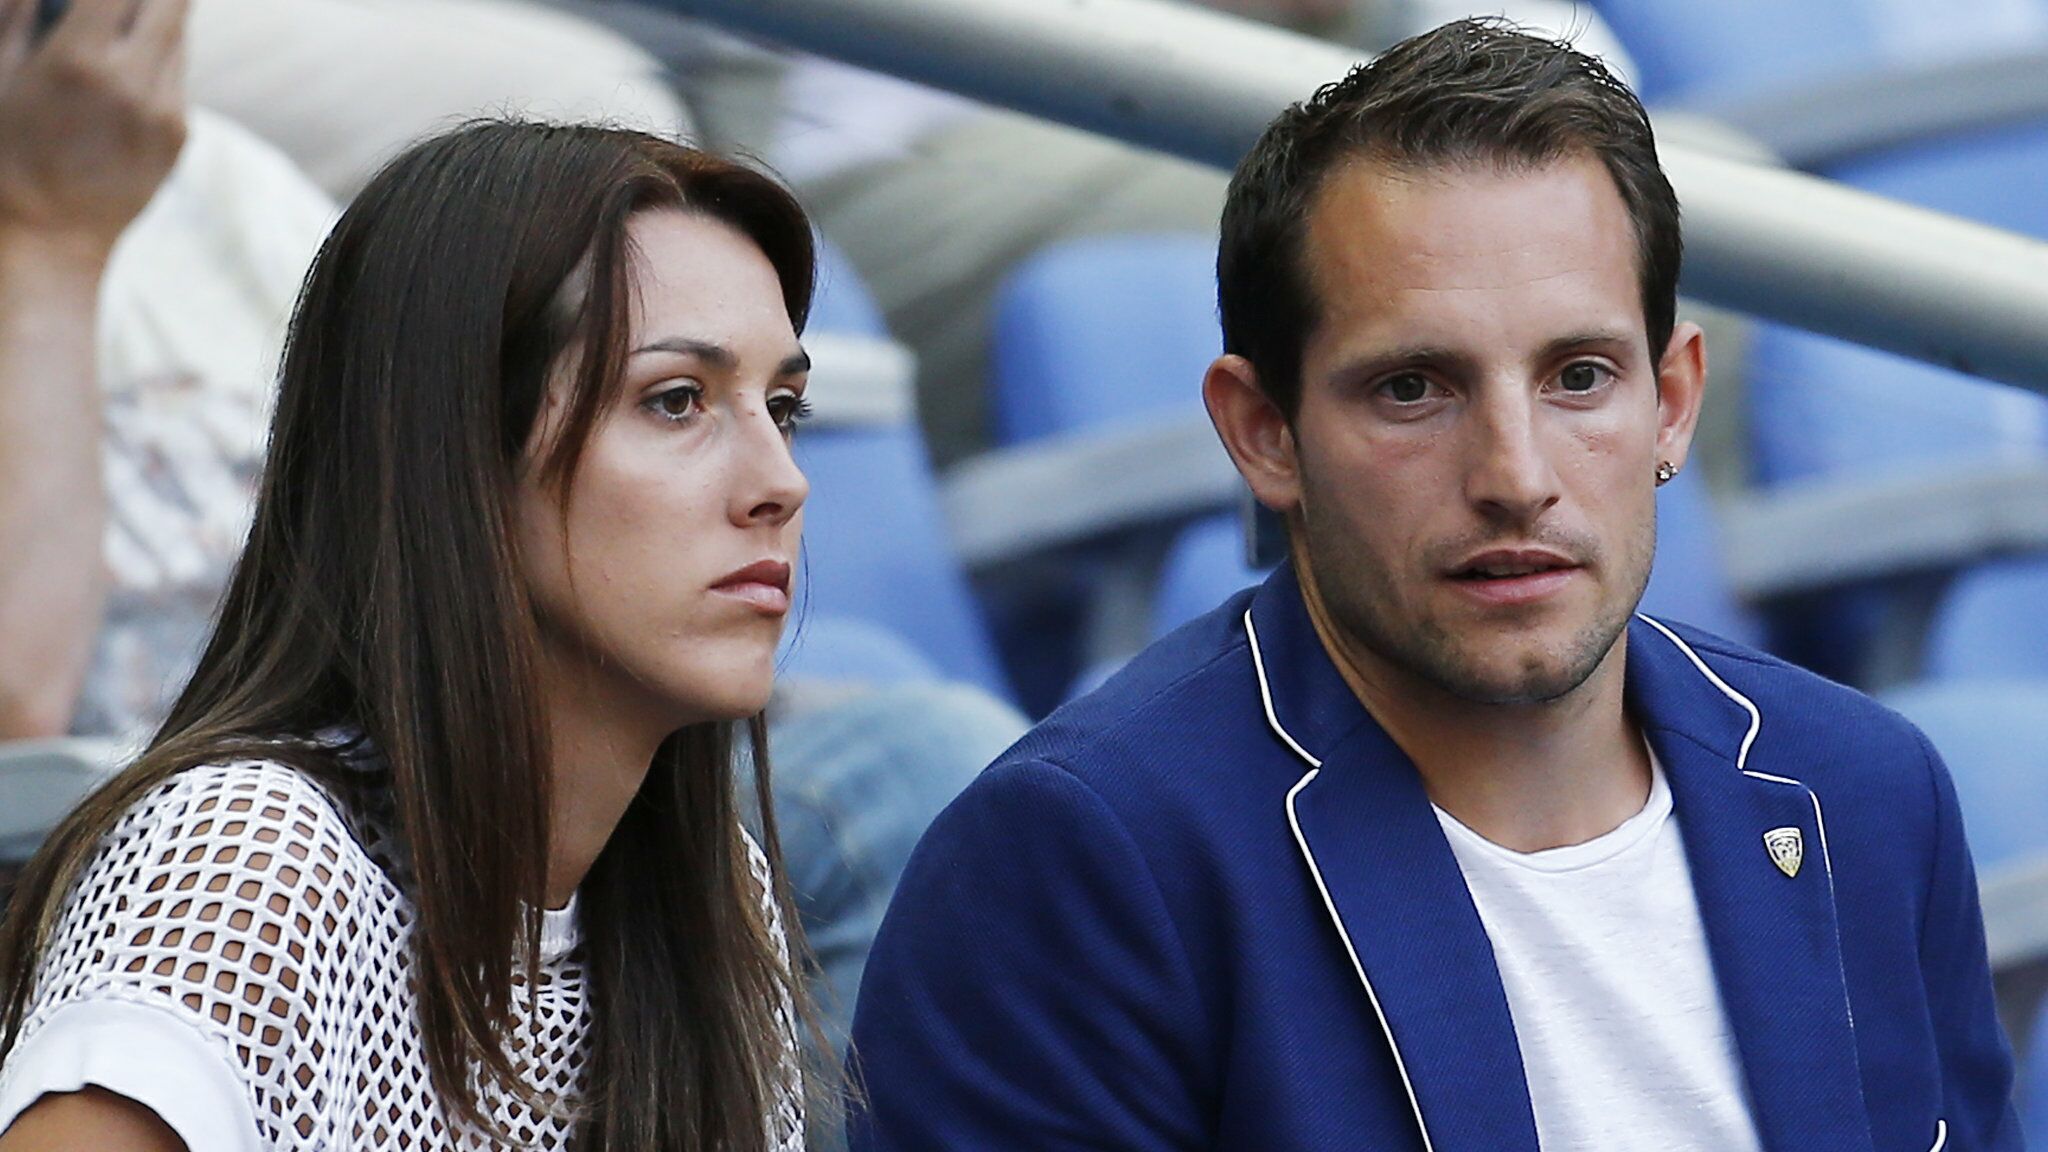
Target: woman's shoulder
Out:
[255,821]
[267,789]
[249,865]
[246,875]
[230,910]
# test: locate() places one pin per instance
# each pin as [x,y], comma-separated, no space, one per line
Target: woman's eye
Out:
[677,404]
[1583,376]
[1407,388]
[788,410]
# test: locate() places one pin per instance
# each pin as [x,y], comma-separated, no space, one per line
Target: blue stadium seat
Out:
[1694,51]
[1824,408]
[1994,736]
[875,546]
[842,303]
[1206,565]
[1992,623]
[1687,580]
[1104,330]
[1092,335]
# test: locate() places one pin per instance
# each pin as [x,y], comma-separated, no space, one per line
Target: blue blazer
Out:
[1209,907]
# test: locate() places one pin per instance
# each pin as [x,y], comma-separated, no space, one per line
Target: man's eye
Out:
[1407,388]
[676,404]
[1581,377]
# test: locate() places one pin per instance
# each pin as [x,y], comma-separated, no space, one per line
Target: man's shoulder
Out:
[1811,727]
[1175,744]
[1191,690]
[1772,677]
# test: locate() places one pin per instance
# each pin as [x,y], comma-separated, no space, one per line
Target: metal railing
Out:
[1816,122]
[1760,240]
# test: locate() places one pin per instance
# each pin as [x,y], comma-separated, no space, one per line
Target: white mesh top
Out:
[237,959]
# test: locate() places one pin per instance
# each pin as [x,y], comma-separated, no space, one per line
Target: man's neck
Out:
[1525,776]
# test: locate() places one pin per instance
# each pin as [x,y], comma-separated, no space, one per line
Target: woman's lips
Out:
[762,586]
[766,599]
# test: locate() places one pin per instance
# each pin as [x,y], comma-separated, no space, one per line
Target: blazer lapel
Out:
[1394,893]
[1774,939]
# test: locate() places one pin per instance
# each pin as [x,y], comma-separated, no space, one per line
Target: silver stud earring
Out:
[1665,471]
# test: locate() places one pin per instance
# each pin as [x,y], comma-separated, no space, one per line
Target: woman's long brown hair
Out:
[379,589]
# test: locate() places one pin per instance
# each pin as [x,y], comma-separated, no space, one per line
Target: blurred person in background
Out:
[141,305]
[442,843]
[143,301]
[1432,841]
[342,85]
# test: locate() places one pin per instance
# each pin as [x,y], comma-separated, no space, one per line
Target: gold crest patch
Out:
[1787,848]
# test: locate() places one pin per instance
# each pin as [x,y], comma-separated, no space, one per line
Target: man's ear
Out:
[1254,432]
[1681,384]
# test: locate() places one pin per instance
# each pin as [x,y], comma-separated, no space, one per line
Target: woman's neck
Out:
[598,756]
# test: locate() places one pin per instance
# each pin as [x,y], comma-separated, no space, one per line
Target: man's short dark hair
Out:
[1471,92]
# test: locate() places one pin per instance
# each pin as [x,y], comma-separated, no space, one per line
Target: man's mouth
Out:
[1510,564]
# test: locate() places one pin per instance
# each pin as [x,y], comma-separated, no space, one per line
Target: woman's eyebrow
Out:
[718,355]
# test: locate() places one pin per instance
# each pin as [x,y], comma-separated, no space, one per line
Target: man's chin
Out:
[1536,676]
[1528,692]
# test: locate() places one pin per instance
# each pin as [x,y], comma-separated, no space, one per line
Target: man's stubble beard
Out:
[1364,605]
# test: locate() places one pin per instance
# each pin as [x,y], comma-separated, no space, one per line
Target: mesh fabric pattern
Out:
[262,910]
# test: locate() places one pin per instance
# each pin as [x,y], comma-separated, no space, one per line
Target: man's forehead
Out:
[1467,206]
[1401,244]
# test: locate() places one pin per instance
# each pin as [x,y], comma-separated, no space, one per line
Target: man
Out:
[1429,843]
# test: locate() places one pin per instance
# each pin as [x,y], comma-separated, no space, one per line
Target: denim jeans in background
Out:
[859,772]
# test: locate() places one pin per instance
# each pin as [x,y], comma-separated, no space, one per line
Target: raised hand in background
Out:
[91,121]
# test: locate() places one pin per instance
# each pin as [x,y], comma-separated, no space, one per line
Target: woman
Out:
[440,846]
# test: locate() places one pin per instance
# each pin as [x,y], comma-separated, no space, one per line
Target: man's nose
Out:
[1509,475]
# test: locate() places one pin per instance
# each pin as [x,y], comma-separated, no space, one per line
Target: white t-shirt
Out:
[238,959]
[1623,1036]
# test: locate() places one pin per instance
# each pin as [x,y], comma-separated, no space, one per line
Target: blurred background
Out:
[1013,482]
